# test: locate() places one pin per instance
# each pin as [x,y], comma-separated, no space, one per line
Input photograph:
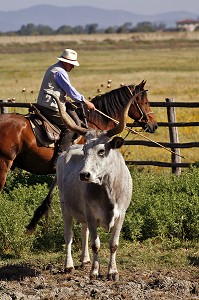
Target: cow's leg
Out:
[85,257]
[113,244]
[5,166]
[95,242]
[68,237]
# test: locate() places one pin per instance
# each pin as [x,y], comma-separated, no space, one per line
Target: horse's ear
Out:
[142,84]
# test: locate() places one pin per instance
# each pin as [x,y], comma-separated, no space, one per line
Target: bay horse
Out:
[19,147]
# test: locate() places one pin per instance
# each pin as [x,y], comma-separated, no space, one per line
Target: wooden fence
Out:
[173,144]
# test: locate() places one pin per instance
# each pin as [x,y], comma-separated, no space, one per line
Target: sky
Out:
[147,7]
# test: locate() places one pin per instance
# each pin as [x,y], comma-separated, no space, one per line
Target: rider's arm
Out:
[63,81]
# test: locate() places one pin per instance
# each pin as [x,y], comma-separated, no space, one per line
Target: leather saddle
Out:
[46,133]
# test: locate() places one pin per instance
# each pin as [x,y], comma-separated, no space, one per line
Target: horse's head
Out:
[140,109]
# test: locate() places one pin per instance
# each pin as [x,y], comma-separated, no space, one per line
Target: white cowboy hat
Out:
[69,56]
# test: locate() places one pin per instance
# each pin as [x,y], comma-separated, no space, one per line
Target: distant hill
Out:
[55,17]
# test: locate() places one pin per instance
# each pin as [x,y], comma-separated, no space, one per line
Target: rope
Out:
[138,133]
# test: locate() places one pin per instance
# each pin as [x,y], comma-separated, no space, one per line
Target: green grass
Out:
[151,256]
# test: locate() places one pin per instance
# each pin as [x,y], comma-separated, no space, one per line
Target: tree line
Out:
[31,29]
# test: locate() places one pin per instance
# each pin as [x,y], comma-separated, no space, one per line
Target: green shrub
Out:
[17,208]
[19,176]
[14,216]
[164,206]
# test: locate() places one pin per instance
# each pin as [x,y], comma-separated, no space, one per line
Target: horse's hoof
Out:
[30,229]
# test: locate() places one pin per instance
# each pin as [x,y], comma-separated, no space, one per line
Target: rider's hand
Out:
[89,104]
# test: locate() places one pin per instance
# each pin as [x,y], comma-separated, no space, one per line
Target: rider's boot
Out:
[66,142]
[67,136]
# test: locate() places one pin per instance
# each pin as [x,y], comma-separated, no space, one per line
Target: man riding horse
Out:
[56,79]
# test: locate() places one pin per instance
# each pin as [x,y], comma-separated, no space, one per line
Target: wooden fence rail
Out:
[167,124]
[165,144]
[175,104]
[172,125]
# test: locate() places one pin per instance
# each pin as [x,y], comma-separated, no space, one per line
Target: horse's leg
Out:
[43,208]
[5,166]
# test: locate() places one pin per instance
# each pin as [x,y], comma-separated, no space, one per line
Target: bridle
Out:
[143,115]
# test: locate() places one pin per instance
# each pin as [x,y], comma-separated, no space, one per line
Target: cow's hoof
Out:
[95,276]
[113,277]
[85,264]
[69,270]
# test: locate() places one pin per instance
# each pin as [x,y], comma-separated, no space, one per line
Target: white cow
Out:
[95,188]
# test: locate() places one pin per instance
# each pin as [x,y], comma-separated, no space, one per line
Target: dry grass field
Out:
[168,61]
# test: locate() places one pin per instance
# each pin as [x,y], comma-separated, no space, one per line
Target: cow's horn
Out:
[122,122]
[67,120]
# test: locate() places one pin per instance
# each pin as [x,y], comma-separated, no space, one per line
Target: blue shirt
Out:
[62,79]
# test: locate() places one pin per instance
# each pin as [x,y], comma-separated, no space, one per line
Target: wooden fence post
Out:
[173,132]
[3,110]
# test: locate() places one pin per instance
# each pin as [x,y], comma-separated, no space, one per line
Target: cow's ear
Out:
[116,142]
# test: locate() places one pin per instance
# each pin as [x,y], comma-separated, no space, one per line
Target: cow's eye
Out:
[101,152]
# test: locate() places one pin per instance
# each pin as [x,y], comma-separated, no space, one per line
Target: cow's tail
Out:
[42,209]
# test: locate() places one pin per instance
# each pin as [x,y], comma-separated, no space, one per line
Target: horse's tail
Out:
[42,209]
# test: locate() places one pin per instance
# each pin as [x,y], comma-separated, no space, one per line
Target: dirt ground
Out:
[49,282]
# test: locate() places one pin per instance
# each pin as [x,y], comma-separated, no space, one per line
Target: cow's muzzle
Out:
[85,176]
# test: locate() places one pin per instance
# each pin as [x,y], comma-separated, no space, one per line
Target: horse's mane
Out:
[112,102]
